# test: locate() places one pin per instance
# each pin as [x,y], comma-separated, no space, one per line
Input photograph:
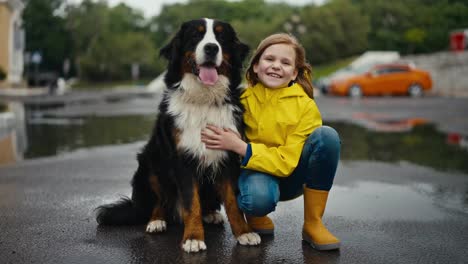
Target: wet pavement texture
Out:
[398,197]
[383,213]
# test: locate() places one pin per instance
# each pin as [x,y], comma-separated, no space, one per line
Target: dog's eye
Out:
[221,37]
[196,35]
[201,29]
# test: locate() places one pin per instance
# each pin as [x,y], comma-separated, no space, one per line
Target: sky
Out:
[153,7]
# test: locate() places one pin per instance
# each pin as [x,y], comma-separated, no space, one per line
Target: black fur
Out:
[176,171]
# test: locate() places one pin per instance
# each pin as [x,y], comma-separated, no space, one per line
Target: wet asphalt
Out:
[383,212]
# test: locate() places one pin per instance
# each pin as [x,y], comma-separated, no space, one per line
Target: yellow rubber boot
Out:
[314,232]
[262,225]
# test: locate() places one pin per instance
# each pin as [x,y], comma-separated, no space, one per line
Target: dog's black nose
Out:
[211,49]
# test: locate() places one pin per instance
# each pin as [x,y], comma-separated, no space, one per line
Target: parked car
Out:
[384,79]
[360,65]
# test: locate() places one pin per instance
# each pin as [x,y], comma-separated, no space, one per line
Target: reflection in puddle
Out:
[383,201]
[422,145]
[13,140]
[51,137]
[8,151]
[55,121]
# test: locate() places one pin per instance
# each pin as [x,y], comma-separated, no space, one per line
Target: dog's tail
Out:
[123,212]
[126,211]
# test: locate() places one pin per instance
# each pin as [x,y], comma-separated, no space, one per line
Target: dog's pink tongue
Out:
[208,75]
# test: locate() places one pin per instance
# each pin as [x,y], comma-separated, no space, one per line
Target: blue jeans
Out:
[260,192]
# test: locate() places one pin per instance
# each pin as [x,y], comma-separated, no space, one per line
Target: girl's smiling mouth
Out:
[274,75]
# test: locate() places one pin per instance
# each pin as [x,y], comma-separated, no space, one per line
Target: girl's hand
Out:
[223,139]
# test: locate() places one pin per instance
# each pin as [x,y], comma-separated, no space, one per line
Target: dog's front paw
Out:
[250,239]
[192,245]
[156,226]
[213,218]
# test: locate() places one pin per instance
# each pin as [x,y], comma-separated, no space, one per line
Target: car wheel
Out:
[415,90]
[355,91]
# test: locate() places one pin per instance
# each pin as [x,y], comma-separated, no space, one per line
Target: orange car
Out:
[396,79]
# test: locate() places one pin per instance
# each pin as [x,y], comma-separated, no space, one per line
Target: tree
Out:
[252,19]
[111,57]
[46,32]
[335,30]
[108,40]
[417,26]
[414,37]
[254,24]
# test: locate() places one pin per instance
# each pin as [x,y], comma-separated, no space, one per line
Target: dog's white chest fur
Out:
[195,106]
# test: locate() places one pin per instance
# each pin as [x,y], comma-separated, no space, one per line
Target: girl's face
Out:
[276,66]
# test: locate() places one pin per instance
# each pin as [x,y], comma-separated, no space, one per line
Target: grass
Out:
[85,85]
[326,69]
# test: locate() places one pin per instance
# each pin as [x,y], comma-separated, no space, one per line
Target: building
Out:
[12,40]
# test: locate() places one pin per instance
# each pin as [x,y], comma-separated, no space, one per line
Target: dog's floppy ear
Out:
[172,49]
[242,48]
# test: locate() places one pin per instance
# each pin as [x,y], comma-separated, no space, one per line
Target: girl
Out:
[288,152]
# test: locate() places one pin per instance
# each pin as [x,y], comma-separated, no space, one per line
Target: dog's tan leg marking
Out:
[239,226]
[194,235]
[157,222]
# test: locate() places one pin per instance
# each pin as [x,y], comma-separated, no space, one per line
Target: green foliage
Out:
[107,41]
[335,30]
[104,41]
[112,55]
[428,23]
[253,26]
[252,19]
[414,36]
[46,32]
[423,145]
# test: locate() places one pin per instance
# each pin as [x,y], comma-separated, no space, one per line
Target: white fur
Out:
[209,37]
[194,106]
[213,218]
[156,226]
[250,239]
[193,245]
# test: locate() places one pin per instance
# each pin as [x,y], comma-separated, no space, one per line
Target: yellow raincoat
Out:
[278,121]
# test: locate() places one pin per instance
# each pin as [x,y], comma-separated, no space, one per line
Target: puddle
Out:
[50,136]
[393,202]
[422,144]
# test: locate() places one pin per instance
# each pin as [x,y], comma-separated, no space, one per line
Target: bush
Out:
[3,74]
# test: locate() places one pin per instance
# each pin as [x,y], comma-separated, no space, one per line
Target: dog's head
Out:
[206,48]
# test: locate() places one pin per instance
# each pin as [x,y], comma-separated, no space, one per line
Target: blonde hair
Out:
[304,70]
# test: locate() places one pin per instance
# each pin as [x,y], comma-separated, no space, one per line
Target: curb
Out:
[23,92]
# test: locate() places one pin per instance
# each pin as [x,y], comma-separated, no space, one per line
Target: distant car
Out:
[384,79]
[360,65]
[324,83]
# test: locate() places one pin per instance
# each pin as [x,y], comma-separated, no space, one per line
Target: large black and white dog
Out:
[177,176]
